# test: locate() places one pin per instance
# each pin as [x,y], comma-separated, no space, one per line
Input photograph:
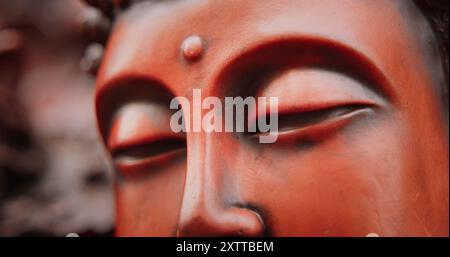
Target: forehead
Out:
[146,40]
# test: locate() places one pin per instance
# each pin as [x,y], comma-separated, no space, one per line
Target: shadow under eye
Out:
[147,150]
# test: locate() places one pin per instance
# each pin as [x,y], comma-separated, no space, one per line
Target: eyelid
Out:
[136,125]
[139,145]
[149,139]
[323,129]
[136,166]
[303,90]
[147,154]
[313,106]
[314,103]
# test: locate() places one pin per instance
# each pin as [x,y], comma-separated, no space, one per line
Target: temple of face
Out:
[362,143]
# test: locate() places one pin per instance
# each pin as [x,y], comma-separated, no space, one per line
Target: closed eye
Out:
[147,151]
[316,124]
[300,120]
[314,103]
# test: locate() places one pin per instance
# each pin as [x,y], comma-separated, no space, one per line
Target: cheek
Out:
[345,185]
[149,205]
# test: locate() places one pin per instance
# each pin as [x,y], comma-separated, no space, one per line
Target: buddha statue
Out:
[362,139]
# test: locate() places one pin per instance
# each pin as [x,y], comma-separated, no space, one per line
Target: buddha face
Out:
[362,136]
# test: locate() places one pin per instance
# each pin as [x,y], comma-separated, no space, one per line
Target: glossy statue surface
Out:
[362,142]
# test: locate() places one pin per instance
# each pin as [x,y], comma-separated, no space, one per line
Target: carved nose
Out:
[210,204]
[234,221]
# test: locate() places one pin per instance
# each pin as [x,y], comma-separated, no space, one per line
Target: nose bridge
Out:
[209,206]
[203,184]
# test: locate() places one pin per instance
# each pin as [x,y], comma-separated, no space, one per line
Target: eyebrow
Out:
[275,55]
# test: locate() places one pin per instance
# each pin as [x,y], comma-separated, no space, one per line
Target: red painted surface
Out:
[368,152]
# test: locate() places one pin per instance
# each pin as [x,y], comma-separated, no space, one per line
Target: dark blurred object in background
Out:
[54,178]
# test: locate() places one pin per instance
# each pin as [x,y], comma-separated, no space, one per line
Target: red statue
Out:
[362,141]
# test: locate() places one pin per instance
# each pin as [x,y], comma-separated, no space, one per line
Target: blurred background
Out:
[54,176]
